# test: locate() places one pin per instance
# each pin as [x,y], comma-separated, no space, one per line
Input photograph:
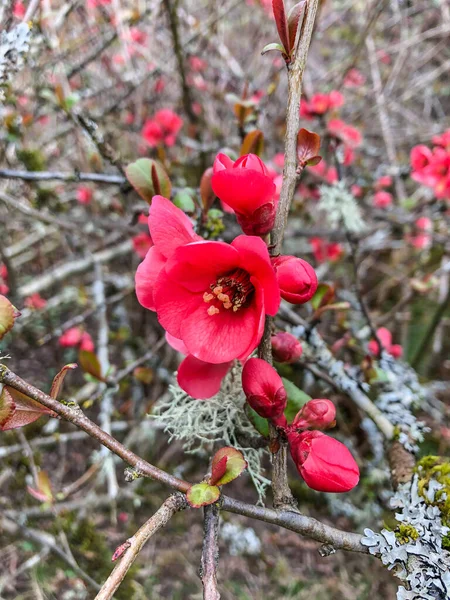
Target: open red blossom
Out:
[169,228]
[319,413]
[325,464]
[35,301]
[324,250]
[382,199]
[197,378]
[142,243]
[263,388]
[215,296]
[285,347]
[296,278]
[348,134]
[162,129]
[246,187]
[385,337]
[84,194]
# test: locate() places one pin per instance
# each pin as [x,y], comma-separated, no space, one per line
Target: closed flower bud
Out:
[246,187]
[317,414]
[296,278]
[263,388]
[286,348]
[325,464]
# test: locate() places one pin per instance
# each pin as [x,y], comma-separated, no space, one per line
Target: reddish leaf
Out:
[7,315]
[120,550]
[282,25]
[90,363]
[253,143]
[293,19]
[143,374]
[18,410]
[308,146]
[218,470]
[44,492]
[206,191]
[59,379]
[234,466]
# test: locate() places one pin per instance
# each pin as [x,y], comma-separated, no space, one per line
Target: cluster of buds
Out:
[325,464]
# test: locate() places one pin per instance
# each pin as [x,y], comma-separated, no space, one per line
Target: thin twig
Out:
[210,553]
[172,505]
[74,177]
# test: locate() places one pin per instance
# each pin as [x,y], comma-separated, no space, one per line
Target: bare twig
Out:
[74,177]
[162,516]
[210,553]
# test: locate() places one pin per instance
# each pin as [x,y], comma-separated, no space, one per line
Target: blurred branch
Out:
[172,505]
[74,267]
[75,177]
[210,553]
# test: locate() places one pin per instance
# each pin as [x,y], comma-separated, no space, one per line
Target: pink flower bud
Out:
[325,464]
[320,414]
[263,388]
[382,199]
[296,278]
[286,348]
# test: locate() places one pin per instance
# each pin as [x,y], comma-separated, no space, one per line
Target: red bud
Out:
[286,348]
[325,464]
[296,278]
[263,388]
[320,414]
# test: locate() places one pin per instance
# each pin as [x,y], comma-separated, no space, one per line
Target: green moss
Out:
[446,542]
[438,468]
[405,533]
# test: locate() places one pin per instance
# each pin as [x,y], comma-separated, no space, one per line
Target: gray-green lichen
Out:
[221,419]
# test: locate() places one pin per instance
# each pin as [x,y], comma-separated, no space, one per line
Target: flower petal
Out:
[199,379]
[169,226]
[174,303]
[254,258]
[197,265]
[244,190]
[226,335]
[146,276]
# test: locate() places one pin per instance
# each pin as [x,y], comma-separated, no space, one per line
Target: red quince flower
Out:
[211,295]
[246,187]
[71,337]
[164,128]
[296,278]
[197,378]
[264,389]
[87,343]
[319,413]
[214,297]
[382,199]
[84,194]
[323,250]
[142,243]
[35,301]
[354,78]
[348,134]
[383,182]
[325,464]
[285,347]
[385,337]
[19,9]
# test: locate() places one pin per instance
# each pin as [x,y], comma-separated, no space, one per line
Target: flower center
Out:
[232,290]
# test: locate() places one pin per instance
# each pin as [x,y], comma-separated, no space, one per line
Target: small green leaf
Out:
[273,46]
[149,178]
[259,423]
[184,200]
[235,464]
[296,399]
[202,494]
[324,295]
